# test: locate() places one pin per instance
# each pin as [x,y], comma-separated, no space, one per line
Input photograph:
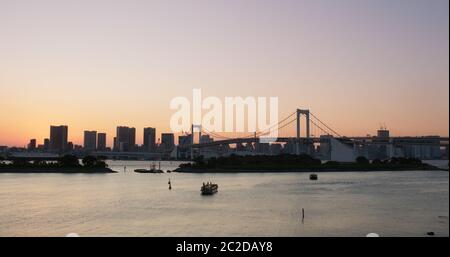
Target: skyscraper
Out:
[167,141]
[101,141]
[205,139]
[58,138]
[90,140]
[46,144]
[32,144]
[70,146]
[132,139]
[184,141]
[125,139]
[149,139]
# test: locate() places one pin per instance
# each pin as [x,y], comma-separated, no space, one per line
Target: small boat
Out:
[313,177]
[148,171]
[209,188]
[152,169]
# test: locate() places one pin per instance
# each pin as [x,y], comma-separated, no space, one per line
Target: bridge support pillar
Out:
[299,113]
[192,141]
[297,144]
[199,127]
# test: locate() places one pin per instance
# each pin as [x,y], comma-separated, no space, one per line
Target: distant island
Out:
[65,164]
[297,163]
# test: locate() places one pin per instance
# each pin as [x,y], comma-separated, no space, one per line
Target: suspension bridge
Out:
[317,133]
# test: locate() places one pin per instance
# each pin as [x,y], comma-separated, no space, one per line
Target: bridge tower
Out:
[299,113]
[193,127]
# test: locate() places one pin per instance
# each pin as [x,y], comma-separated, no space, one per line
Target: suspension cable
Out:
[325,124]
[279,127]
[275,125]
[319,127]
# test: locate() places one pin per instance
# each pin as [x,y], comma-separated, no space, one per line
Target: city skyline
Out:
[95,66]
[94,140]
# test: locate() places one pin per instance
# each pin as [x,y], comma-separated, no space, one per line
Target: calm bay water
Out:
[408,203]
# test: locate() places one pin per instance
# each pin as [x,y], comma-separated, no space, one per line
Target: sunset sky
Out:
[97,64]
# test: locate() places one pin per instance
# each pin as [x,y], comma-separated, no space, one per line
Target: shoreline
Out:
[63,170]
[299,170]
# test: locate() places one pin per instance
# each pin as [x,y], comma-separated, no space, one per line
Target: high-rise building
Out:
[70,146]
[183,149]
[90,140]
[58,138]
[101,141]
[132,139]
[32,144]
[167,141]
[150,139]
[125,139]
[205,139]
[46,144]
[184,141]
[383,134]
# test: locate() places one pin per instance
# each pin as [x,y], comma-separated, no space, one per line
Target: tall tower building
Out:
[46,144]
[32,144]
[132,139]
[150,139]
[125,139]
[58,138]
[101,141]
[167,141]
[184,140]
[90,140]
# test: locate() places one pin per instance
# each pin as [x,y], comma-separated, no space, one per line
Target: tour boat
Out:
[313,177]
[209,188]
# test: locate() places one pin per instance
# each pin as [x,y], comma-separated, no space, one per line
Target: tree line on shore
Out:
[296,160]
[66,161]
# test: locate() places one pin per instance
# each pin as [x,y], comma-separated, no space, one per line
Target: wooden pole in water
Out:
[303,214]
